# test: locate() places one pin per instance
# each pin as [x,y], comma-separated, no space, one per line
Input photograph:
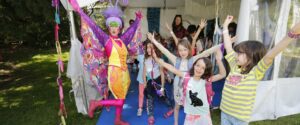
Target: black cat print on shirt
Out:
[195,100]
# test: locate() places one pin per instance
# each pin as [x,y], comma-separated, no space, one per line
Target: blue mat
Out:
[217,88]
[131,105]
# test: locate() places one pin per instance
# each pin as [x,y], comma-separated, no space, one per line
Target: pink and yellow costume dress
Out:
[118,75]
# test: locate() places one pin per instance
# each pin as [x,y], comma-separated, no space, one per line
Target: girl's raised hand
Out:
[233,39]
[139,14]
[203,23]
[150,36]
[228,20]
[168,27]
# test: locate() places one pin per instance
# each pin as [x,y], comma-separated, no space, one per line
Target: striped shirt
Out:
[239,91]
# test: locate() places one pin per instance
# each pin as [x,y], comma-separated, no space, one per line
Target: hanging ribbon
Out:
[56,32]
[59,59]
[57,20]
[62,110]
[54,3]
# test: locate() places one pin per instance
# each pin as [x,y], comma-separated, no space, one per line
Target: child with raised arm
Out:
[248,63]
[140,79]
[202,24]
[195,101]
[183,63]
[153,76]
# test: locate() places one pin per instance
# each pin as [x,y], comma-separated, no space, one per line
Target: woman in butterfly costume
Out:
[98,46]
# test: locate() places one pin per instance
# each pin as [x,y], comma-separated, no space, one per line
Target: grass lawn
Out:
[29,93]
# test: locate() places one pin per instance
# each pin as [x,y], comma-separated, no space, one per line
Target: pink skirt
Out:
[197,120]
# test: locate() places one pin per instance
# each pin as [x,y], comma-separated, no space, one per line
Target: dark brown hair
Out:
[208,68]
[185,43]
[254,51]
[158,54]
[174,27]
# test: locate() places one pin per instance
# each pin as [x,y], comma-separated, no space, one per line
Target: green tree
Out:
[30,22]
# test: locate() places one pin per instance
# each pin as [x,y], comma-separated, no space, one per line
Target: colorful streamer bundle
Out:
[156,86]
[62,110]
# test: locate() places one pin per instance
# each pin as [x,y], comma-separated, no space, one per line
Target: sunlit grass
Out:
[22,64]
[39,103]
[11,104]
[48,77]
[1,100]
[23,88]
[49,57]
[39,58]
[29,92]
[2,71]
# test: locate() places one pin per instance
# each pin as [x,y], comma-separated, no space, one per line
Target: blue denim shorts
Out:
[230,120]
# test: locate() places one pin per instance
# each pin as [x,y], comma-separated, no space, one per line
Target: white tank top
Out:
[152,66]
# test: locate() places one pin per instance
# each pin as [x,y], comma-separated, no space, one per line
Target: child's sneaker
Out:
[169,113]
[214,108]
[148,111]
[139,112]
[151,120]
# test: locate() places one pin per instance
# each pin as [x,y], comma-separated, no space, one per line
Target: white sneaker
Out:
[214,108]
[139,112]
[148,111]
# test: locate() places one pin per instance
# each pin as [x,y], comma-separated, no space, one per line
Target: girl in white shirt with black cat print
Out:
[196,105]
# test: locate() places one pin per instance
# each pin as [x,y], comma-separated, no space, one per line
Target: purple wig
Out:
[113,14]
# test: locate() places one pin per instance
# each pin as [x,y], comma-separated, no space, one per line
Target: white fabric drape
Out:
[277,97]
[82,89]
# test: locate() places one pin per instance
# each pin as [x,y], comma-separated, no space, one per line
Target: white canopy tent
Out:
[275,98]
